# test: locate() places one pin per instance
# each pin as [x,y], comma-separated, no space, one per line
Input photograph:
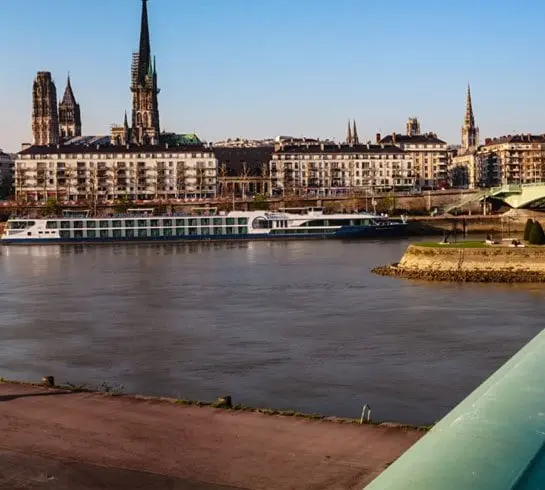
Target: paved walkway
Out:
[63,440]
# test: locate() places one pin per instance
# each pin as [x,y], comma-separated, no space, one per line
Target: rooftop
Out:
[342,148]
[515,138]
[429,138]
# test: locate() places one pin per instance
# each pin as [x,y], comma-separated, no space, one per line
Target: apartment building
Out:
[327,168]
[429,155]
[512,159]
[101,172]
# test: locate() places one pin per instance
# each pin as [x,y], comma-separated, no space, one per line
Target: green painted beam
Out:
[493,440]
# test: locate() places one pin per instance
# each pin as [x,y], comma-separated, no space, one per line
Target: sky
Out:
[261,68]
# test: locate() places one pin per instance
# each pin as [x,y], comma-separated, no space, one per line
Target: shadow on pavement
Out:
[7,398]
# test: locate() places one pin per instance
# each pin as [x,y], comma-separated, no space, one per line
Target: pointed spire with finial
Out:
[126,121]
[469,119]
[68,97]
[355,137]
[349,134]
[144,52]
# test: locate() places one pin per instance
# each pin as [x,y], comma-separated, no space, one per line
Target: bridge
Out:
[520,196]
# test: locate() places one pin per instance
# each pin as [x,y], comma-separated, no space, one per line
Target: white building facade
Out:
[106,173]
[326,169]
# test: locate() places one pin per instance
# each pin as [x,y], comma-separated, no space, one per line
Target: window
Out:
[129,223]
[180,231]
[142,233]
[142,223]
[116,223]
[51,225]
[65,224]
[104,224]
[65,234]
[91,234]
[104,234]
[242,221]
[155,232]
[154,222]
[167,232]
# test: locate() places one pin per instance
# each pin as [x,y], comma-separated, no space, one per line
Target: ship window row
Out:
[336,222]
[302,231]
[154,232]
[146,223]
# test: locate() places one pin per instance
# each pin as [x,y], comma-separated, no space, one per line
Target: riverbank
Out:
[469,263]
[64,436]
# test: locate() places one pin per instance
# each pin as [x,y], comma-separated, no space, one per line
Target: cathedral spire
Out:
[469,119]
[68,97]
[470,133]
[144,52]
[69,113]
[349,134]
[145,111]
[355,138]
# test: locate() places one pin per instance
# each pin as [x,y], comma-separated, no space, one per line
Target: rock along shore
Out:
[485,265]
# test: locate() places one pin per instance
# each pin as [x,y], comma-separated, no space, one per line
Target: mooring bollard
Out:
[365,414]
[48,381]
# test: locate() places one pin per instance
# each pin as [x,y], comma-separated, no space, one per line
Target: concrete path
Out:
[62,440]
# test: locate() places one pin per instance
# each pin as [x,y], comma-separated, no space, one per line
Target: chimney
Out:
[166,146]
[394,138]
[487,141]
[378,138]
[321,147]
[368,146]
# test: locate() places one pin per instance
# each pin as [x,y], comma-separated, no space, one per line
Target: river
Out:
[290,325]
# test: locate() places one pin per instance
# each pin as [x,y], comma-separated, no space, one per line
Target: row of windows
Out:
[302,231]
[154,233]
[146,223]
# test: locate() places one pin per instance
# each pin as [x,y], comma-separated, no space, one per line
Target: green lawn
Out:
[459,244]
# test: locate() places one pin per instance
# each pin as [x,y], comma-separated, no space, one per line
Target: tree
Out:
[537,237]
[6,187]
[528,228]
[122,205]
[52,207]
[260,203]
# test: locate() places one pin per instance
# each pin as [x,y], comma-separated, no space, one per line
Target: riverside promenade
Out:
[51,438]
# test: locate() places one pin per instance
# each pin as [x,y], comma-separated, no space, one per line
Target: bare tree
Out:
[223,175]
[244,175]
[180,180]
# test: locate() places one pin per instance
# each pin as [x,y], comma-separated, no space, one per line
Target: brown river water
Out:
[290,325]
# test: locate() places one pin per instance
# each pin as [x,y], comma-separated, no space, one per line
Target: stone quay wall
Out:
[489,258]
[490,264]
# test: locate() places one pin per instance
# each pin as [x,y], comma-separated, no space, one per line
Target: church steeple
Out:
[470,133]
[69,114]
[349,134]
[355,138]
[145,110]
[469,119]
[144,51]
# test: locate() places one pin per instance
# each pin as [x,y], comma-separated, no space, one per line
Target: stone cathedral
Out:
[53,125]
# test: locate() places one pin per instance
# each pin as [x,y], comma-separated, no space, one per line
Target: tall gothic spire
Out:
[469,119]
[349,134]
[68,97]
[69,113]
[470,133]
[144,52]
[355,138]
[145,111]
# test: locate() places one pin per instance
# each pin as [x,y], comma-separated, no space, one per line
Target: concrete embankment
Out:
[486,264]
[69,440]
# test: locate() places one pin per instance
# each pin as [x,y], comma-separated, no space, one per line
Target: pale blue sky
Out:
[258,68]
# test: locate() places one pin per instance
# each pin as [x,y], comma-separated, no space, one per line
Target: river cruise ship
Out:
[143,226]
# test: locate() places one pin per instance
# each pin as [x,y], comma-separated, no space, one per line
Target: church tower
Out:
[45,121]
[355,137]
[349,134]
[470,133]
[145,110]
[69,114]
